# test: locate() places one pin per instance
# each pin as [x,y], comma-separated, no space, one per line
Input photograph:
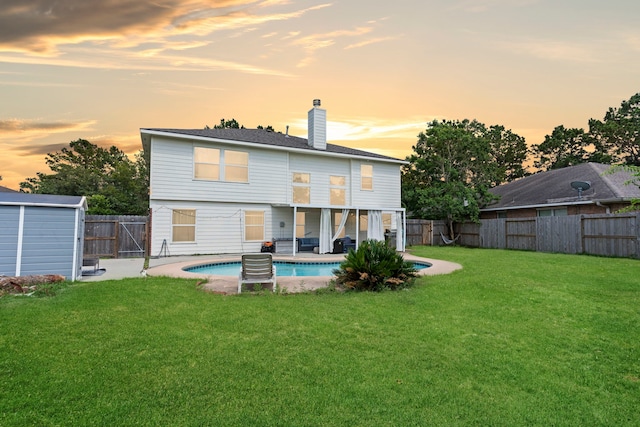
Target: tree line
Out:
[453,165]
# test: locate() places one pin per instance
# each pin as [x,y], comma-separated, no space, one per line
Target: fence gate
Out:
[115,236]
[132,239]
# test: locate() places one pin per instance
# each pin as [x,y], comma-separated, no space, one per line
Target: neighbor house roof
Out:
[553,188]
[271,139]
[6,190]
[28,199]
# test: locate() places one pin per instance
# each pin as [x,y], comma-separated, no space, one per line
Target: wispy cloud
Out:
[367,129]
[21,130]
[478,6]
[372,41]
[43,29]
[152,59]
[553,50]
[310,44]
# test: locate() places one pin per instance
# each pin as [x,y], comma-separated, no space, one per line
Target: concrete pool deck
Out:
[173,267]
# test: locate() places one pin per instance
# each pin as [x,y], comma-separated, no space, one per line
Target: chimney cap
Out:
[316,102]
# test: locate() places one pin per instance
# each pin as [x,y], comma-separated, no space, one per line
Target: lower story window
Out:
[183,225]
[553,212]
[254,225]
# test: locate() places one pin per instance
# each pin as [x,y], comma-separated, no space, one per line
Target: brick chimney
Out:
[317,126]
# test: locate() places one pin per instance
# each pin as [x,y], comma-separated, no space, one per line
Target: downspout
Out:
[607,209]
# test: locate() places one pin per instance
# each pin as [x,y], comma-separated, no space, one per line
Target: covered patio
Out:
[316,229]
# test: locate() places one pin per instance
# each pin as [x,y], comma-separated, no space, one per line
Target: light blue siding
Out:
[219,205]
[9,220]
[172,175]
[48,241]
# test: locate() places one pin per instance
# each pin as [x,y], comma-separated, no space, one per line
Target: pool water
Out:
[283,268]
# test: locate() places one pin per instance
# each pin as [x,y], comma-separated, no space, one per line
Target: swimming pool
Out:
[283,268]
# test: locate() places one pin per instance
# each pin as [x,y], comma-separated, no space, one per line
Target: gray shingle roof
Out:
[554,187]
[6,190]
[276,139]
[39,199]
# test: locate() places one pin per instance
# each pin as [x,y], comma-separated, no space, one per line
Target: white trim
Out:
[19,245]
[74,273]
[81,204]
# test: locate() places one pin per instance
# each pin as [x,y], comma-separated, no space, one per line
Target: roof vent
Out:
[316,102]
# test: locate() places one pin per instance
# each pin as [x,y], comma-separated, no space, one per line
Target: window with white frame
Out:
[366,177]
[183,225]
[210,163]
[253,225]
[206,163]
[301,188]
[337,190]
[236,166]
[300,224]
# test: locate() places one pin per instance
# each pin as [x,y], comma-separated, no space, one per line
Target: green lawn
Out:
[515,338]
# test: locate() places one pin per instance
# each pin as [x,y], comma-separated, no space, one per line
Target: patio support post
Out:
[293,244]
[357,227]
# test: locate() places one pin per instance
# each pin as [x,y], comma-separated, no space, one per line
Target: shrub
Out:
[375,266]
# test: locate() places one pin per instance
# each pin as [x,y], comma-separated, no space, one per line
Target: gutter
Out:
[81,204]
[544,205]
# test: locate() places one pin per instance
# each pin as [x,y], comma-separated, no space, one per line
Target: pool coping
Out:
[229,284]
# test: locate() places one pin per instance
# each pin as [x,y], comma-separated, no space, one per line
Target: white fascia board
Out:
[80,205]
[362,208]
[272,147]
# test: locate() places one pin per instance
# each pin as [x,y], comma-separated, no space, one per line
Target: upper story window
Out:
[301,188]
[206,163]
[366,177]
[211,163]
[236,166]
[337,190]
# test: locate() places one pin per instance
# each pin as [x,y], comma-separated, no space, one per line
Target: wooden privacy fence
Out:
[115,236]
[616,235]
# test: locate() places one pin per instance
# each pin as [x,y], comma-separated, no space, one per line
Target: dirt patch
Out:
[27,284]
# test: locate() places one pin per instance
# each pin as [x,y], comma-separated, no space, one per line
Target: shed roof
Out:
[28,199]
[264,137]
[554,188]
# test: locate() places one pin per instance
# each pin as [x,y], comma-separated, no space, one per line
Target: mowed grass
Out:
[515,338]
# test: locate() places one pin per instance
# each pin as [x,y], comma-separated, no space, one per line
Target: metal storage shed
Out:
[41,234]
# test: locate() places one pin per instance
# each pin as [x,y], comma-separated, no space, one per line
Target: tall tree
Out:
[454,165]
[619,133]
[567,147]
[226,124]
[508,153]
[233,124]
[112,183]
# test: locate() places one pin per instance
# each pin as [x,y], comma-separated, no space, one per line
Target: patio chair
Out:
[257,268]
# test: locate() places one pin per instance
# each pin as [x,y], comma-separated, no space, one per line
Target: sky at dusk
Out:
[102,69]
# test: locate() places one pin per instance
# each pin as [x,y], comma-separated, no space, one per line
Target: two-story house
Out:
[218,191]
